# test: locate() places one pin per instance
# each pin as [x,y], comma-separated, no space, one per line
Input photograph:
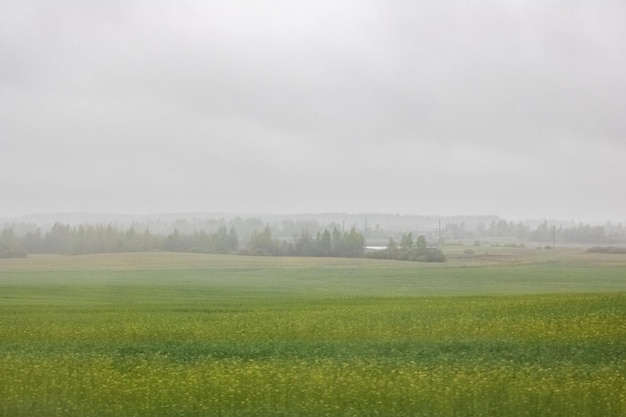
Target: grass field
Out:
[503,332]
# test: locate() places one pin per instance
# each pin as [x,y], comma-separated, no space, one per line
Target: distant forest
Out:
[86,239]
[300,236]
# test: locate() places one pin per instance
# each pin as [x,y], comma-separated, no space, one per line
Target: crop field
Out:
[503,332]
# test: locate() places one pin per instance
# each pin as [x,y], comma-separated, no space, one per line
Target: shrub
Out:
[607,249]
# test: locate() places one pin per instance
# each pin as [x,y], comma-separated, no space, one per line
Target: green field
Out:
[502,332]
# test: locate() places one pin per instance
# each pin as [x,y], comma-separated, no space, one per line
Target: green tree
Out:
[174,242]
[392,249]
[33,242]
[303,245]
[354,243]
[324,244]
[337,242]
[262,243]
[57,240]
[10,245]
[407,241]
[421,245]
[233,239]
[221,241]
[541,233]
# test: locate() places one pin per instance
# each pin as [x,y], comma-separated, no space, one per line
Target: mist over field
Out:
[438,108]
[338,208]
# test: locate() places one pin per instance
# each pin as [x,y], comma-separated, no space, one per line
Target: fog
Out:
[431,107]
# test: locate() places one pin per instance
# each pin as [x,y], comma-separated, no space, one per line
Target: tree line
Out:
[86,239]
[410,250]
[89,239]
[349,244]
[542,232]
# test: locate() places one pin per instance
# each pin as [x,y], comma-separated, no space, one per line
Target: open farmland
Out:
[514,332]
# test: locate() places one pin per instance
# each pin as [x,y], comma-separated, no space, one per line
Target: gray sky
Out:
[506,107]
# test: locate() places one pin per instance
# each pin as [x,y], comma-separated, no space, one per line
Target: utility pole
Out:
[553,236]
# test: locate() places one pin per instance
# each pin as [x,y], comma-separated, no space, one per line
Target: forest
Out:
[86,239]
[322,236]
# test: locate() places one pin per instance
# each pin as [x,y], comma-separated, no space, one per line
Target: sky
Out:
[434,107]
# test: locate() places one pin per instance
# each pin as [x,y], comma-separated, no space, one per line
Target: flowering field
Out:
[127,344]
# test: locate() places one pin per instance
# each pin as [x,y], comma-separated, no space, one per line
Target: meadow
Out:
[503,332]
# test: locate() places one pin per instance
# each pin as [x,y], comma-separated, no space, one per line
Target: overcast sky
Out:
[507,107]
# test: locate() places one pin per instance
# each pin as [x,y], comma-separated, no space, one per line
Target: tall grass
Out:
[206,336]
[559,355]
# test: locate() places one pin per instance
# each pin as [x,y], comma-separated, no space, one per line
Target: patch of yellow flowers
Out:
[72,367]
[98,386]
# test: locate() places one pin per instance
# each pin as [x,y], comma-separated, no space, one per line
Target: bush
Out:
[435,255]
[614,250]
